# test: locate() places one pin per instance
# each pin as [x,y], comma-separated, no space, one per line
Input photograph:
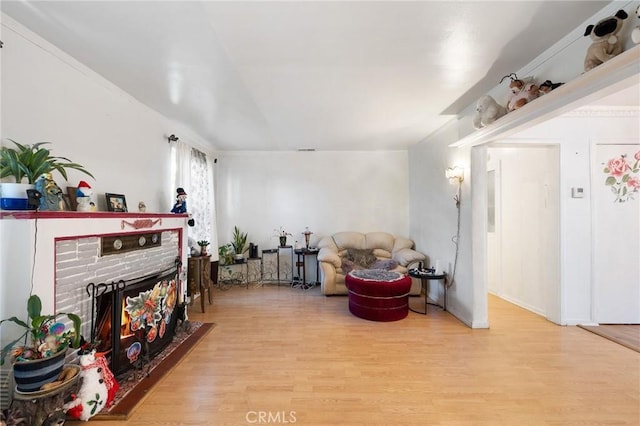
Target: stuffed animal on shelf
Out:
[522,91]
[635,34]
[547,86]
[98,388]
[606,43]
[487,111]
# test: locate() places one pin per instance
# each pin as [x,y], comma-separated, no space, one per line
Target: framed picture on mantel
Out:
[116,202]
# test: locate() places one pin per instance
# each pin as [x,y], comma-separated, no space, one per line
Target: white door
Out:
[616,233]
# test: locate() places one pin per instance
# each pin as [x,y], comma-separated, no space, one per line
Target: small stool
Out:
[378,295]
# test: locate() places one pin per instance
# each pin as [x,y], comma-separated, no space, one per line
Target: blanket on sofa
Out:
[355,259]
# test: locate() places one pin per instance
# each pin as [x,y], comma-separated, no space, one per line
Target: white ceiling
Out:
[277,75]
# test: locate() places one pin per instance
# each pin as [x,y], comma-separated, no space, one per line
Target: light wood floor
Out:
[303,359]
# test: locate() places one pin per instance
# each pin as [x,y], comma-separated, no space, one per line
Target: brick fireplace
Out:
[65,252]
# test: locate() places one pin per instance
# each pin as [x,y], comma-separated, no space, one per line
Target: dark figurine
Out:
[181,205]
[181,202]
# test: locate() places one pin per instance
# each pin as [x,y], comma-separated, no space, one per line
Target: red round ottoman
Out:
[378,295]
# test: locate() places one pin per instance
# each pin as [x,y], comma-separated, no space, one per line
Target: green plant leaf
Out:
[34,306]
[610,181]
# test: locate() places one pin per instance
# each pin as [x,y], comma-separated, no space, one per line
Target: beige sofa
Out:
[335,250]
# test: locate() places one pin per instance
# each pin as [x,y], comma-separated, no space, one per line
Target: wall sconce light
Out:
[455,175]
[173,138]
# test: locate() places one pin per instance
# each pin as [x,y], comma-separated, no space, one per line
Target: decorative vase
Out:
[31,375]
[203,250]
[283,241]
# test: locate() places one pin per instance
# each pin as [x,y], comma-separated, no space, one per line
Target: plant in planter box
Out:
[30,162]
[239,243]
[45,343]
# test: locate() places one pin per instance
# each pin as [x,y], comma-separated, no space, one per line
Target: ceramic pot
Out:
[13,196]
[283,241]
[31,375]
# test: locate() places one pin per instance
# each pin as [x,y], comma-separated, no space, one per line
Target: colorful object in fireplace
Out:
[98,389]
[133,352]
[151,308]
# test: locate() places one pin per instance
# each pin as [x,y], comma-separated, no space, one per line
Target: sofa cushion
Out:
[329,255]
[406,255]
[347,240]
[401,242]
[382,254]
[379,240]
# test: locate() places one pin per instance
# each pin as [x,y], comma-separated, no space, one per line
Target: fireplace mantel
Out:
[28,248]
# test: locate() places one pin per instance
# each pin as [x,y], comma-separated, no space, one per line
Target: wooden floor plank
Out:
[302,358]
[627,335]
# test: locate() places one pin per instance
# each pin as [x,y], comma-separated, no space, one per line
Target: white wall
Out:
[434,216]
[576,134]
[49,96]
[561,63]
[326,191]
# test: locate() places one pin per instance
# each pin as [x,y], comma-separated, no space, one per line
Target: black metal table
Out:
[301,261]
[425,277]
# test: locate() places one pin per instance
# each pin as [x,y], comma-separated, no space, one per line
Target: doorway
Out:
[523,225]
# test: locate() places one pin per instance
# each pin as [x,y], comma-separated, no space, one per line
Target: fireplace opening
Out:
[135,319]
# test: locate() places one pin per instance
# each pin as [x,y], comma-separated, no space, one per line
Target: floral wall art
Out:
[623,176]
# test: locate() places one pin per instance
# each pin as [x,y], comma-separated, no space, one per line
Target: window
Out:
[192,171]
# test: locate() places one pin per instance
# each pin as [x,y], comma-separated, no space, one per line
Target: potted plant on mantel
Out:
[239,243]
[40,358]
[30,162]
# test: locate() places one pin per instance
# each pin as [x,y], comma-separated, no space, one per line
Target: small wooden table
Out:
[199,278]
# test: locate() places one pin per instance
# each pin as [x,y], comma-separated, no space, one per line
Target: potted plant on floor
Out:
[40,358]
[30,162]
[239,243]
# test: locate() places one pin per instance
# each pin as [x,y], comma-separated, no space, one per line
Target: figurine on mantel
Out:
[181,205]
[181,202]
[51,193]
[83,197]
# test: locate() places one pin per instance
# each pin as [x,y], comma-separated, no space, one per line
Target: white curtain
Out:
[193,171]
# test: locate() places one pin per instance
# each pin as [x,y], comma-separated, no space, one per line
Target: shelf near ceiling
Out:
[618,73]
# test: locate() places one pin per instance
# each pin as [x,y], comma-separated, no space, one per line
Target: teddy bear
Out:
[522,92]
[487,111]
[605,41]
[635,34]
[547,86]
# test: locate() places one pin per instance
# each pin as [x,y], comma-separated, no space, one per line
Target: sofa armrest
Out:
[406,256]
[329,256]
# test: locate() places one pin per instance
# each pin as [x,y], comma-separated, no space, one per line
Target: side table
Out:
[199,277]
[425,277]
[268,275]
[301,261]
